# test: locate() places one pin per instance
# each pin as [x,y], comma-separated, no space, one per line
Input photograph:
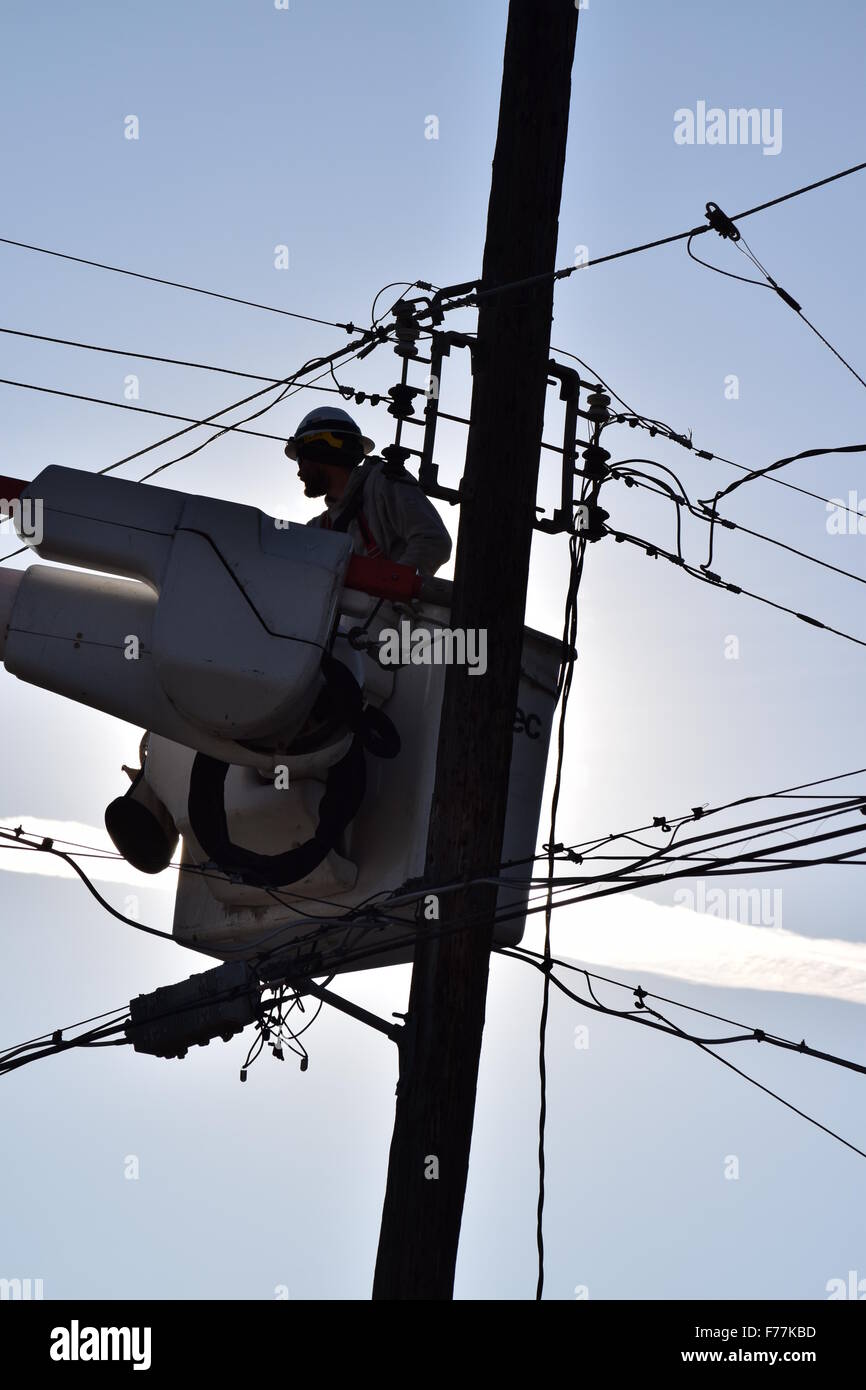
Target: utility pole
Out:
[429,1157]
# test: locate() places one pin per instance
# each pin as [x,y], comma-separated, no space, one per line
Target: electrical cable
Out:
[666,1025]
[356,348]
[176,284]
[770,284]
[577,554]
[715,581]
[634,479]
[139,409]
[566,271]
[142,356]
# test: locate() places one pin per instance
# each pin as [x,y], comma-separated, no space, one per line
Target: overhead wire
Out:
[355,348]
[716,581]
[566,271]
[706,1045]
[141,356]
[769,283]
[176,284]
[633,477]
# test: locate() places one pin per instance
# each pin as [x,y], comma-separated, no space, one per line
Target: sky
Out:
[306,129]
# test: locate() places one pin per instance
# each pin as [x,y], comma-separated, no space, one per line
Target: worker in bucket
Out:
[381,514]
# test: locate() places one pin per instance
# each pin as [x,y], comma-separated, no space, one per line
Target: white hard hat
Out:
[330,426]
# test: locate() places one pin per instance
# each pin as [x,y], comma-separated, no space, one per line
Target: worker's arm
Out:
[412,516]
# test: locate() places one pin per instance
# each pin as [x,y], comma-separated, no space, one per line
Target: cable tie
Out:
[759,1035]
[697,812]
[57,1037]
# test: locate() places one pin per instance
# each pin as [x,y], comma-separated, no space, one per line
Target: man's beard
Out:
[315,483]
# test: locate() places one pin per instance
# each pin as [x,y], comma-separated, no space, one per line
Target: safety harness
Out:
[352,512]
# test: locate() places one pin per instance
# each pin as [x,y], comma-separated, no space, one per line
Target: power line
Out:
[769,283]
[140,409]
[577,555]
[753,473]
[284,394]
[673,1030]
[752,1033]
[715,580]
[632,478]
[658,427]
[177,284]
[658,854]
[142,356]
[563,274]
[367,342]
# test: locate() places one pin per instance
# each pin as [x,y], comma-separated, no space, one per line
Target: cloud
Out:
[14,859]
[634,934]
[628,934]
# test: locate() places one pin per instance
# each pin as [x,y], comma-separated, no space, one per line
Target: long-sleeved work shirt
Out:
[395,519]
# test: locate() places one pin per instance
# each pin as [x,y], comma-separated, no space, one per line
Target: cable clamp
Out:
[721,223]
[788,298]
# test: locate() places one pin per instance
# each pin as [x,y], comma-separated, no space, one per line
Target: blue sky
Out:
[305,128]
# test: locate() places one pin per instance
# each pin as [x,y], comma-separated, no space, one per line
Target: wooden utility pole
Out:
[429,1157]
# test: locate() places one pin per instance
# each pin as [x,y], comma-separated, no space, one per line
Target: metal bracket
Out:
[394,1031]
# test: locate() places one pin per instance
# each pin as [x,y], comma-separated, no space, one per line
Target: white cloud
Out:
[634,934]
[25,861]
[627,934]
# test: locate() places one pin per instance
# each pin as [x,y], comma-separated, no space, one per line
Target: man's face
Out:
[314,476]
